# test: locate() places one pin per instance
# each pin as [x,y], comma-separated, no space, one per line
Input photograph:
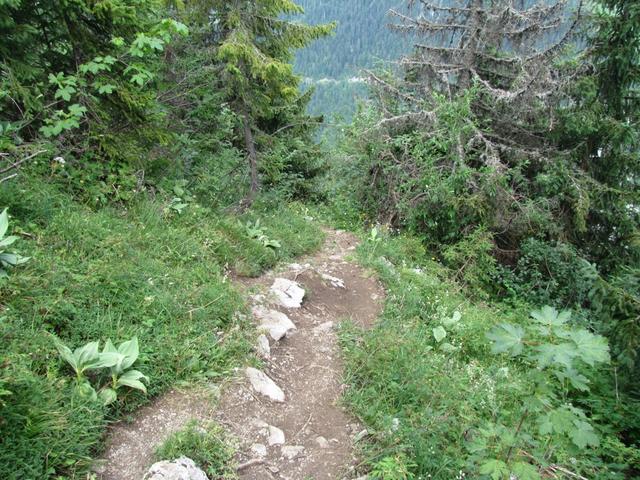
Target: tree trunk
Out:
[253,159]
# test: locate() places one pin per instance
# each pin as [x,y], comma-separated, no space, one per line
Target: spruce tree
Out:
[256,41]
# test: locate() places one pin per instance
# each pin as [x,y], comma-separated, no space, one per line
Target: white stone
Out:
[262,347]
[288,293]
[395,424]
[276,436]
[360,435]
[181,469]
[262,384]
[277,324]
[322,442]
[259,450]
[290,452]
[336,282]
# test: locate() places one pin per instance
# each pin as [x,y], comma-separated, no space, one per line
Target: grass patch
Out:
[207,445]
[439,404]
[118,273]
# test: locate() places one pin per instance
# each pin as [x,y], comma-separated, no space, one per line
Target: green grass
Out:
[426,402]
[116,273]
[207,445]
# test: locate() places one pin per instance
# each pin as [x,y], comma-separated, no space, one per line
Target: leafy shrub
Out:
[522,411]
[118,360]
[550,274]
[208,446]
[256,232]
[472,260]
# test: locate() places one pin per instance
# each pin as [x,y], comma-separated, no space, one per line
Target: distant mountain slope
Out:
[362,39]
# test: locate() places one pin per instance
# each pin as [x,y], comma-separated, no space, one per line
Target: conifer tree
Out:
[256,41]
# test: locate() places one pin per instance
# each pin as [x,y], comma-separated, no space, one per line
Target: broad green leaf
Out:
[87,354]
[439,334]
[507,338]
[558,355]
[559,420]
[497,469]
[578,381]
[109,347]
[5,242]
[525,471]
[77,110]
[4,223]
[20,260]
[10,259]
[583,435]
[107,396]
[85,389]
[455,318]
[130,350]
[447,347]
[106,360]
[550,316]
[65,93]
[66,353]
[132,379]
[591,348]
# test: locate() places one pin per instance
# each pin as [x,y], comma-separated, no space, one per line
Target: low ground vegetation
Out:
[453,388]
[117,274]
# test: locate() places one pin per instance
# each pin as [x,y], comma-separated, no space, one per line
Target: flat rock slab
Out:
[289,293]
[181,469]
[277,324]
[262,384]
[276,436]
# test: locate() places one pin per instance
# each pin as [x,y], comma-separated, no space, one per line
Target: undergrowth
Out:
[207,445]
[116,273]
[439,404]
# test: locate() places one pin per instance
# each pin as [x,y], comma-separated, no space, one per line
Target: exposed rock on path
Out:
[317,434]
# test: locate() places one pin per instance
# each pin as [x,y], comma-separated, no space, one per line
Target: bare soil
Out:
[306,365]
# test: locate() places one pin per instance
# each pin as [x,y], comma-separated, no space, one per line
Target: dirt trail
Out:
[305,365]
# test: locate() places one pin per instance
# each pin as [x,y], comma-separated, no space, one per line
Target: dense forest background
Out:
[333,66]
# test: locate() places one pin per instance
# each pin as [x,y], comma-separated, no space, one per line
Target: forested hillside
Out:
[333,65]
[160,177]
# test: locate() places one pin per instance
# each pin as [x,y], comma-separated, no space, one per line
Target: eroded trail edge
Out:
[285,416]
[303,433]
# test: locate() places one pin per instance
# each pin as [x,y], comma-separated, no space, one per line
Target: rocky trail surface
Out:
[286,415]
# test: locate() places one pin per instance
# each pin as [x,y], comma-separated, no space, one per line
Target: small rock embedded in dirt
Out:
[276,436]
[181,469]
[262,347]
[290,452]
[288,292]
[264,385]
[274,322]
[323,328]
[361,435]
[322,442]
[259,450]
[334,281]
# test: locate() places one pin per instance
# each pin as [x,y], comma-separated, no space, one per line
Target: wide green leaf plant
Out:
[118,360]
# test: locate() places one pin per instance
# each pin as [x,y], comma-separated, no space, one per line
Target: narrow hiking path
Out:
[301,432]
